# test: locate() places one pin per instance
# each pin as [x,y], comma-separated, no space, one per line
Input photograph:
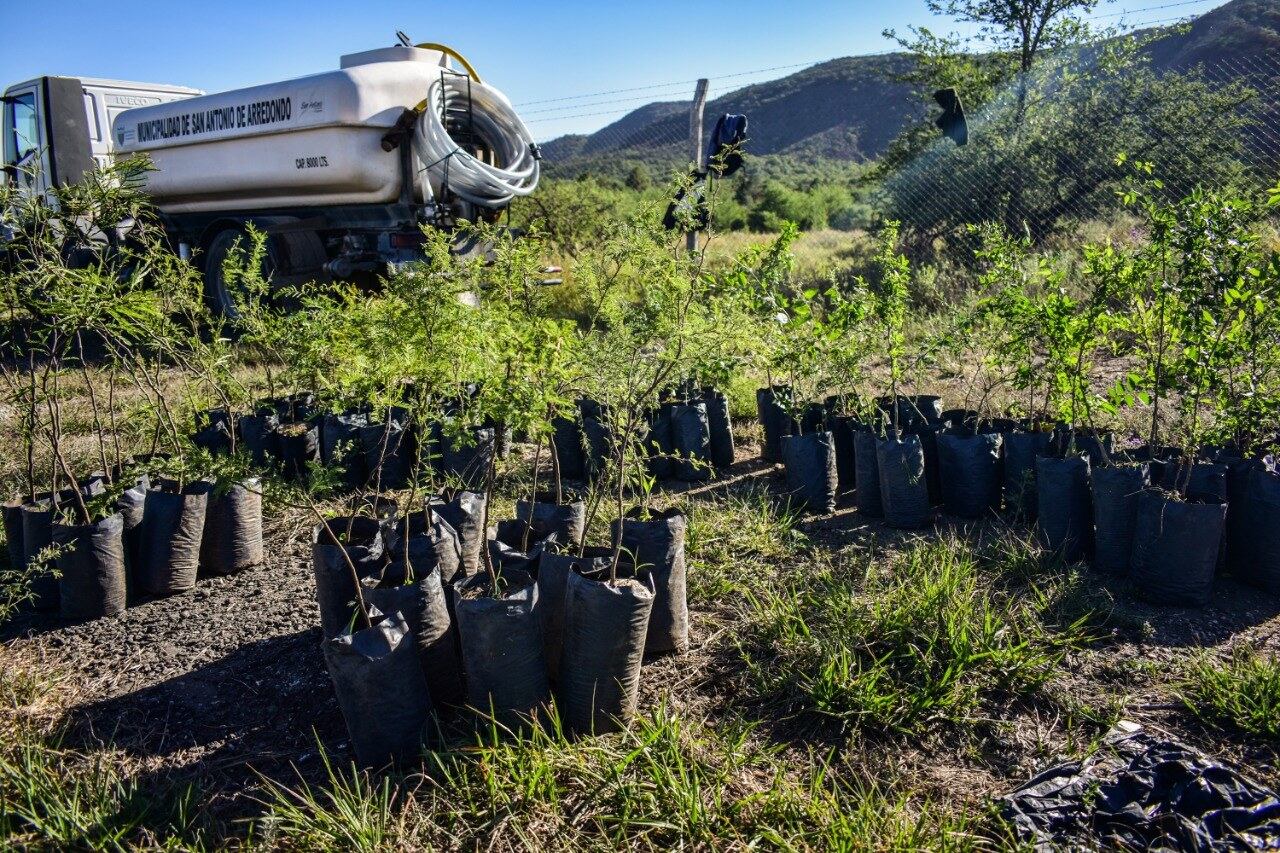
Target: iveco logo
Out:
[130,101]
[311,107]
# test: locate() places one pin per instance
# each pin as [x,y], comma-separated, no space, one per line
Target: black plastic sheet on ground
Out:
[1142,793]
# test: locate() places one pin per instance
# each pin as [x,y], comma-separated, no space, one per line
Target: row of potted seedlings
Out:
[1166,519]
[689,437]
[293,434]
[434,611]
[130,536]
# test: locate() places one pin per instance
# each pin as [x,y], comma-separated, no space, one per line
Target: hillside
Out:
[846,109]
[850,109]
[1237,33]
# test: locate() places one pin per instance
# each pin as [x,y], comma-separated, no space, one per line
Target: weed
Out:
[1242,693]
[351,812]
[922,639]
[733,540]
[666,783]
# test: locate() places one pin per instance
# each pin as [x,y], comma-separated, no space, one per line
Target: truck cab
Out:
[55,129]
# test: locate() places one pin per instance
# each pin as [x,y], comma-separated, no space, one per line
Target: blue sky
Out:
[533,51]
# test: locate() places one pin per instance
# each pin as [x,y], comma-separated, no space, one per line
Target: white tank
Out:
[307,142]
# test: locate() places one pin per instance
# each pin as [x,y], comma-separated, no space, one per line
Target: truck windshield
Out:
[22,118]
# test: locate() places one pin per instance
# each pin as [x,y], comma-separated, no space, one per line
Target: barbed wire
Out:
[1124,12]
[732,76]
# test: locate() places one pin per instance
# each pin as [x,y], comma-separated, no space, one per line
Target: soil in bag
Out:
[1175,549]
[867,474]
[232,539]
[774,420]
[342,445]
[422,603]
[961,419]
[92,566]
[659,443]
[597,439]
[545,517]
[657,546]
[132,507]
[13,533]
[465,513]
[969,466]
[295,408]
[553,578]
[928,434]
[1204,482]
[467,460]
[812,419]
[527,560]
[1064,510]
[604,640]
[361,538]
[842,429]
[1259,524]
[381,690]
[502,648]
[1001,426]
[1098,445]
[37,535]
[904,491]
[720,429]
[913,411]
[299,445]
[691,433]
[431,545]
[213,431]
[566,436]
[172,530]
[388,454]
[259,434]
[1239,536]
[812,479]
[1160,460]
[1019,471]
[1115,509]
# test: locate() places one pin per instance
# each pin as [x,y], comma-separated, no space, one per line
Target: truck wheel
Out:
[219,293]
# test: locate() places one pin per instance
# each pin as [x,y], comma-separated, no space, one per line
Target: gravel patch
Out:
[215,686]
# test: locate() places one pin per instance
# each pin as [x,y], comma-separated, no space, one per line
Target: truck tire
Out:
[218,292]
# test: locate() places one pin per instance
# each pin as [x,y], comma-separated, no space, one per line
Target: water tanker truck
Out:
[341,170]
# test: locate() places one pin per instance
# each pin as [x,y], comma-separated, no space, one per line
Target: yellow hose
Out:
[447,51]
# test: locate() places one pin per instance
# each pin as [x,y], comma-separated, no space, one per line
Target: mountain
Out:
[1238,33]
[850,109]
[845,109]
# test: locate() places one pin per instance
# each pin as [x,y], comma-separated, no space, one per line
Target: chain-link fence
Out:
[1056,150]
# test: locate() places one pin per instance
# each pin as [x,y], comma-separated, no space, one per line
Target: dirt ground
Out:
[226,686]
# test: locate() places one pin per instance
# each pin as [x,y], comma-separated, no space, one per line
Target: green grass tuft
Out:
[736,540]
[1242,693]
[667,783]
[923,638]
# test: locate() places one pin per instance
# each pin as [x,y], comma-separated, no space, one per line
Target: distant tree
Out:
[638,178]
[570,214]
[1012,36]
